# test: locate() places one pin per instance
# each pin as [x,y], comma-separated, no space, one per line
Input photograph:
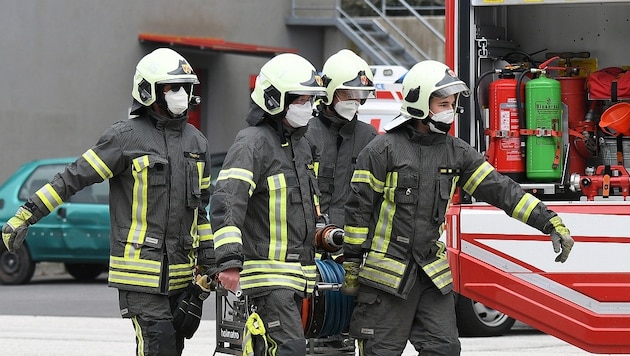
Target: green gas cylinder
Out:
[543,119]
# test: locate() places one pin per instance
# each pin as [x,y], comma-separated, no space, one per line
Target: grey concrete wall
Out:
[67,66]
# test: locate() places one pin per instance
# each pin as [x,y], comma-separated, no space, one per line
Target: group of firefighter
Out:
[303,156]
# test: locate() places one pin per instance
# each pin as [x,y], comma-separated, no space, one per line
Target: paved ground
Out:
[74,336]
[80,336]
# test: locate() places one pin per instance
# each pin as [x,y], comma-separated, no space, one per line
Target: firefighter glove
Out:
[187,317]
[561,239]
[350,285]
[14,231]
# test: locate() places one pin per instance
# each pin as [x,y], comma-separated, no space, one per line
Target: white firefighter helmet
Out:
[286,73]
[162,66]
[346,70]
[425,79]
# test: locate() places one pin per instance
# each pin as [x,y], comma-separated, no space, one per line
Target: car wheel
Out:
[476,319]
[16,268]
[85,271]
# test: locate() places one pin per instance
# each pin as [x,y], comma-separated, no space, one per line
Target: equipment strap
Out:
[501,133]
[541,132]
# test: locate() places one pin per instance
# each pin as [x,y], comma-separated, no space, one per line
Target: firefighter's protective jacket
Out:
[159,177]
[401,188]
[335,144]
[263,208]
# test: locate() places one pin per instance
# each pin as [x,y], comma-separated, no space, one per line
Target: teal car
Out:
[76,233]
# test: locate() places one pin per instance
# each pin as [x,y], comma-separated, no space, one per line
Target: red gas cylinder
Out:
[573,92]
[504,151]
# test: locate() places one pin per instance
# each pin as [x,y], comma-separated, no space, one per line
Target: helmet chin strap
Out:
[435,125]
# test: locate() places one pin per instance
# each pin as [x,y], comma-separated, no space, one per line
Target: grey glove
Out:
[561,239]
[14,231]
[350,285]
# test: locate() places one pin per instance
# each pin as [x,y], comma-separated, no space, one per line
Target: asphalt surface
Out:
[68,336]
[35,335]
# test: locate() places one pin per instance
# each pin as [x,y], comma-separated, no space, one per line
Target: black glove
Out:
[187,317]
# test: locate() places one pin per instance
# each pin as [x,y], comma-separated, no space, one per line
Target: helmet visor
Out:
[176,86]
[354,94]
[450,89]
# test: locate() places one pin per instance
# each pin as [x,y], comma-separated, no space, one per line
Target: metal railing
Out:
[346,13]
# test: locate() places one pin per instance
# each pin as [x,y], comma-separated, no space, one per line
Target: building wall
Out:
[68,65]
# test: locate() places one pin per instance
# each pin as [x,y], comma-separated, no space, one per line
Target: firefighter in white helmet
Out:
[263,208]
[158,167]
[336,135]
[395,215]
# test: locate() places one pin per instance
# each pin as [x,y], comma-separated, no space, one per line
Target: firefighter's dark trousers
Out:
[280,311]
[382,323]
[152,319]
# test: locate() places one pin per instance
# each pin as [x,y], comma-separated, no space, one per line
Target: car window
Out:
[40,176]
[94,194]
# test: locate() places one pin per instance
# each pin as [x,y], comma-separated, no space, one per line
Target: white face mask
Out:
[347,108]
[442,121]
[177,102]
[298,115]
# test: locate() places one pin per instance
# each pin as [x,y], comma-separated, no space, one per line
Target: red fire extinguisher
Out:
[573,90]
[504,149]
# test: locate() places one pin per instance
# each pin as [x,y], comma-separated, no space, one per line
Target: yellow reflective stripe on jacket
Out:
[452,191]
[364,176]
[204,182]
[383,230]
[310,273]
[138,228]
[205,232]
[49,197]
[316,168]
[382,270]
[524,207]
[241,174]
[443,280]
[278,230]
[99,166]
[435,267]
[194,231]
[179,275]
[355,235]
[438,270]
[477,177]
[134,272]
[391,183]
[263,273]
[227,235]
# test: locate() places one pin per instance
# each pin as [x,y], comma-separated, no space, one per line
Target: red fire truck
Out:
[533,67]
